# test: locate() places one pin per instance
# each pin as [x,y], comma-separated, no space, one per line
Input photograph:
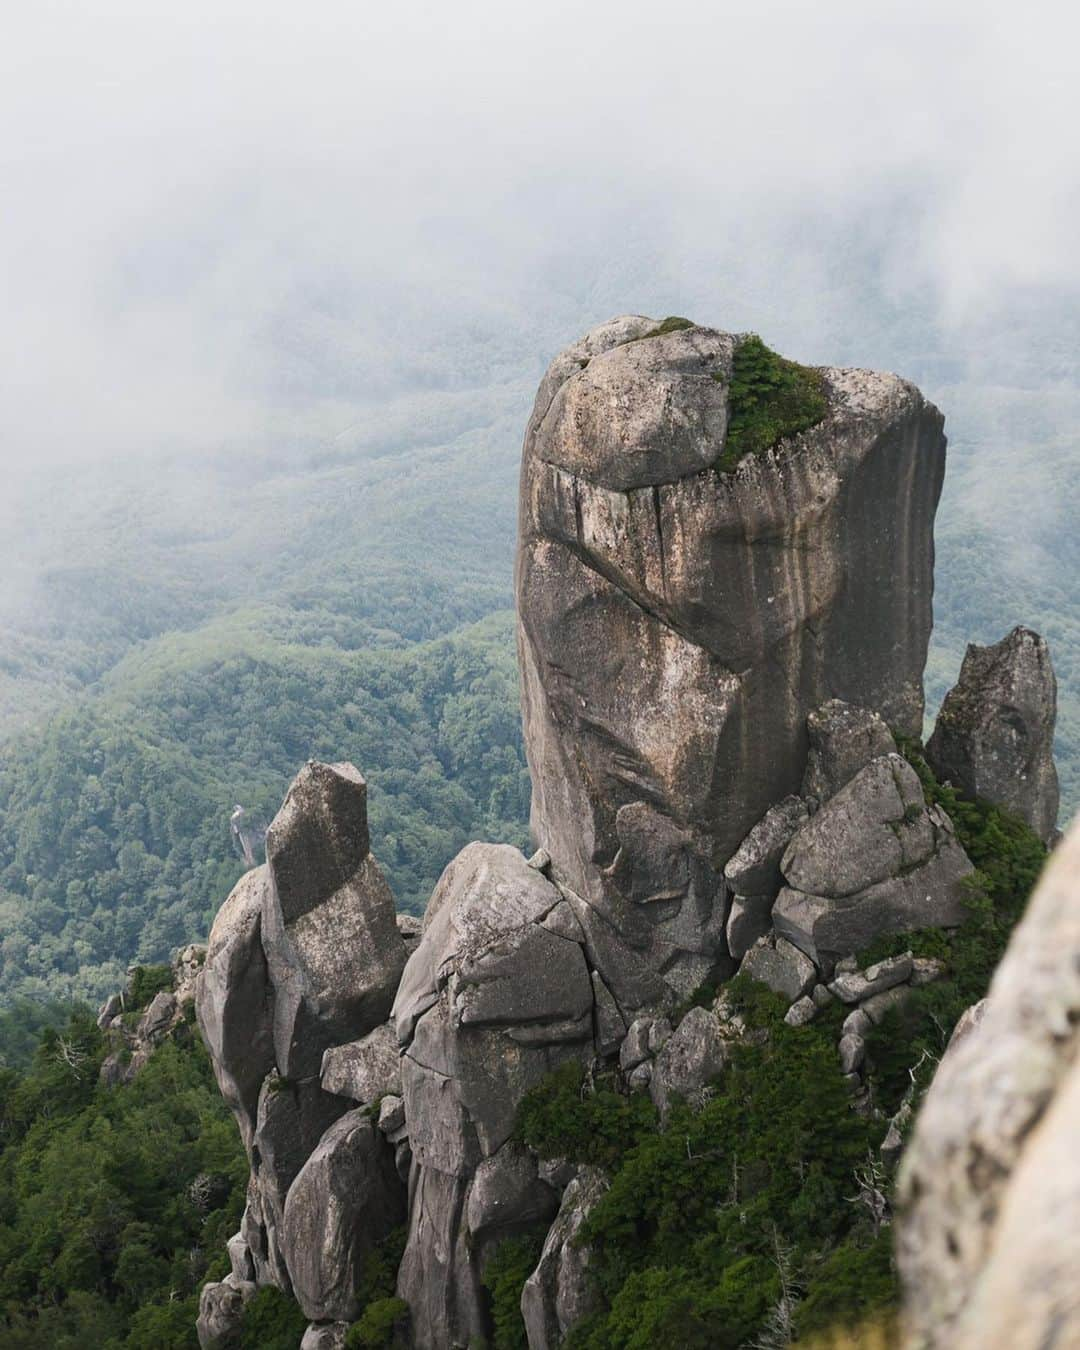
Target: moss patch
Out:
[769,399]
[672,324]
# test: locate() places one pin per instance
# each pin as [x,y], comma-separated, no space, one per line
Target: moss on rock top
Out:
[769,399]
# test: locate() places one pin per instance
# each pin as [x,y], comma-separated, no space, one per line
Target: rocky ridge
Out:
[712,659]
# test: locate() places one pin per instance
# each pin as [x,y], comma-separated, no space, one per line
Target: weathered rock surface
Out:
[559,1294]
[346,1197]
[292,1118]
[234,1000]
[221,1311]
[677,623]
[325,1336]
[783,967]
[842,740]
[874,828]
[490,1002]
[852,986]
[329,932]
[990,1183]
[749,918]
[754,868]
[994,735]
[364,1070]
[883,862]
[695,1054]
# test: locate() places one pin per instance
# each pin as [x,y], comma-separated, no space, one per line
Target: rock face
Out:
[345,1198]
[677,623]
[497,995]
[558,1294]
[333,948]
[994,736]
[990,1185]
[303,961]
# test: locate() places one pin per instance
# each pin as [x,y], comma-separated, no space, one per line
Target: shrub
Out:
[769,398]
[382,1326]
[145,982]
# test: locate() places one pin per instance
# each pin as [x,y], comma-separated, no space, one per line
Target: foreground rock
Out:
[994,736]
[989,1245]
[648,578]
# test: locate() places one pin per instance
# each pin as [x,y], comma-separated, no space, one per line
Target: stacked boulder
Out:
[857,857]
[302,966]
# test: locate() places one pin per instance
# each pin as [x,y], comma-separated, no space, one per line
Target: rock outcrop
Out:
[994,736]
[303,962]
[989,1245]
[499,993]
[677,622]
[132,1031]
[712,652]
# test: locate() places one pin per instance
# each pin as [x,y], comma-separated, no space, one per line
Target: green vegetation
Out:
[382,1326]
[114,1204]
[505,1273]
[769,399]
[114,821]
[709,1218]
[672,324]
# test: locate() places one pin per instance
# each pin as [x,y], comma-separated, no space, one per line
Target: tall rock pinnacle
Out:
[712,543]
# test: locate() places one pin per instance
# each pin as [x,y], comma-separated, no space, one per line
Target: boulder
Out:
[754,868]
[994,735]
[749,918]
[692,1057]
[988,1245]
[234,1000]
[680,616]
[366,1069]
[852,1053]
[507,1193]
[559,1293]
[240,1259]
[802,1011]
[221,1311]
[329,929]
[853,986]
[931,896]
[159,1017]
[786,970]
[292,1118]
[325,1336]
[344,1200]
[874,828]
[112,1007]
[842,740]
[187,963]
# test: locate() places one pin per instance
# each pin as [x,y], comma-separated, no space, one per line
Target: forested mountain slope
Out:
[179,637]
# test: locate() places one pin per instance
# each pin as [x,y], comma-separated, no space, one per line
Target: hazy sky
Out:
[225,222]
